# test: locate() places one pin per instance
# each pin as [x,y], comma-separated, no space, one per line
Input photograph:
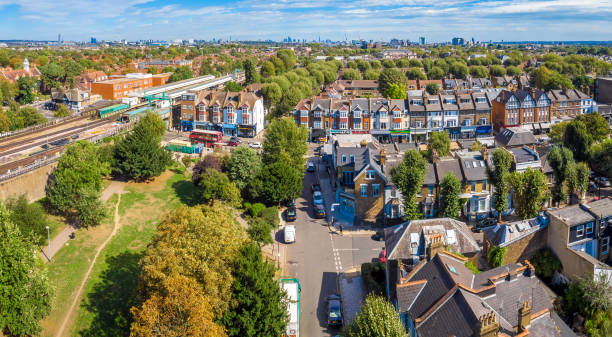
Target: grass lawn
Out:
[107,296]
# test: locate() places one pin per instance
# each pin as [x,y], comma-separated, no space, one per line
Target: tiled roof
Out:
[445,165]
[515,137]
[473,166]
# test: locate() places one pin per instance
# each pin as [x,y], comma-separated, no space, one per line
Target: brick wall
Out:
[574,263]
[525,248]
[369,208]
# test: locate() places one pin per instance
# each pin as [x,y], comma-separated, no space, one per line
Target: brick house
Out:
[522,239]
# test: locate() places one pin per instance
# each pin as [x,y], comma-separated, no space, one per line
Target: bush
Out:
[257,208]
[270,215]
[373,275]
[546,264]
[469,265]
[260,231]
[495,256]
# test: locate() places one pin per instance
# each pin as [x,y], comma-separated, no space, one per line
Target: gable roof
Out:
[515,137]
[473,166]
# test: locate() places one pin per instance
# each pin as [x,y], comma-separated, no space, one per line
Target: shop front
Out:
[230,129]
[207,126]
[318,135]
[247,131]
[468,132]
[454,133]
[383,136]
[483,131]
[400,136]
[418,135]
[186,125]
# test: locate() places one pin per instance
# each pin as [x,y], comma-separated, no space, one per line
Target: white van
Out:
[289,234]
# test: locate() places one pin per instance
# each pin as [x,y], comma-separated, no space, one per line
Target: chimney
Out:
[485,152]
[363,143]
[436,245]
[383,157]
[487,326]
[524,317]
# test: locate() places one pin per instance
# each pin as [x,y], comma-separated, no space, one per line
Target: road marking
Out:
[345,249]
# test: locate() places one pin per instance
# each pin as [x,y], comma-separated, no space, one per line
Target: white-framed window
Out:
[375,190]
[356,125]
[303,113]
[231,119]
[215,109]
[184,107]
[383,125]
[317,124]
[397,114]
[589,228]
[451,123]
[605,245]
[483,121]
[357,114]
[417,124]
[370,175]
[364,190]
[382,114]
[202,117]
[579,230]
[482,204]
[343,114]
[230,109]
[366,125]
[396,126]
[343,125]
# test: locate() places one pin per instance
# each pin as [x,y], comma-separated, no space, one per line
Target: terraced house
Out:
[522,107]
[569,103]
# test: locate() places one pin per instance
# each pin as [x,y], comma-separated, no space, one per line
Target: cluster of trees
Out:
[592,299]
[16,118]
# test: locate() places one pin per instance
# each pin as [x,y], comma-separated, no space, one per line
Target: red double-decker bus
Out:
[208,138]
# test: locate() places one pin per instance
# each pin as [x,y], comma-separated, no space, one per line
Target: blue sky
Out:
[437,20]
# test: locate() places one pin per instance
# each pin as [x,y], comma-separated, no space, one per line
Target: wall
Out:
[369,208]
[575,264]
[32,184]
[525,248]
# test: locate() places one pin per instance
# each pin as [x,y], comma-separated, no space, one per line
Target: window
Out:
[589,228]
[579,230]
[396,126]
[431,190]
[605,245]
[364,190]
[483,121]
[356,125]
[317,114]
[484,183]
[473,186]
[202,117]
[184,107]
[357,114]
[352,158]
[215,109]
[370,174]
[482,204]
[344,158]
[343,125]
[375,190]
[366,125]
[343,114]
[467,122]
[317,124]
[383,125]
[326,124]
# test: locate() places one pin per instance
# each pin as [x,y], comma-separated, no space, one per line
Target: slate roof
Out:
[378,103]
[481,106]
[323,103]
[399,103]
[432,106]
[505,233]
[602,207]
[362,103]
[473,166]
[445,165]
[430,175]
[513,137]
[468,104]
[572,215]
[448,105]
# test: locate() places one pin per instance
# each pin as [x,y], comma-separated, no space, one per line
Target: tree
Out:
[139,155]
[24,285]
[498,176]
[480,71]
[61,111]
[390,76]
[371,74]
[542,76]
[215,185]
[5,122]
[578,179]
[77,179]
[250,71]
[290,99]
[449,198]
[435,73]
[432,88]
[285,141]
[601,157]
[497,70]
[513,71]
[496,255]
[415,74]
[281,182]
[27,86]
[258,303]
[272,94]
[90,210]
[244,165]
[409,176]
[377,318]
[179,309]
[557,131]
[210,161]
[259,231]
[267,69]
[577,139]
[181,73]
[51,75]
[597,126]
[351,74]
[546,264]
[560,160]
[31,219]
[530,189]
[395,91]
[233,86]
[459,69]
[438,141]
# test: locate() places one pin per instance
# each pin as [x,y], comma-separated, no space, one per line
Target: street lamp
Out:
[48,243]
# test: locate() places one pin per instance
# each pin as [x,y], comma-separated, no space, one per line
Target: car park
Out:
[317,198]
[334,311]
[315,188]
[319,211]
[289,233]
[291,214]
[310,167]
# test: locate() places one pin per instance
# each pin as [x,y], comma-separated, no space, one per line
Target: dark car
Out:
[319,211]
[315,188]
[379,236]
[291,214]
[334,315]
[318,149]
[311,167]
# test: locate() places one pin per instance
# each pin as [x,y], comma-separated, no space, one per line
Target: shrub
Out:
[469,265]
[260,231]
[546,264]
[373,275]
[270,215]
[256,209]
[495,256]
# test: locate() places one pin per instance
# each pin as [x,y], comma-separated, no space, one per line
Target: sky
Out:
[436,20]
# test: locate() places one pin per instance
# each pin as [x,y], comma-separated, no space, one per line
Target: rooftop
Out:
[572,215]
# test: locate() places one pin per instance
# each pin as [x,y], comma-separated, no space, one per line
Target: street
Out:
[320,254]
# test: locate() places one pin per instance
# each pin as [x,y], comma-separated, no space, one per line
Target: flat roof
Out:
[573,215]
[601,207]
[119,80]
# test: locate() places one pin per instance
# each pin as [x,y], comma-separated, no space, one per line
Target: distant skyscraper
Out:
[93,40]
[422,40]
[59,38]
[458,41]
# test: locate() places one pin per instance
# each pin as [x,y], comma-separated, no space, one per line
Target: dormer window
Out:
[245,110]
[370,175]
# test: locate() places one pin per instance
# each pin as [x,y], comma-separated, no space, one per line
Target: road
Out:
[319,255]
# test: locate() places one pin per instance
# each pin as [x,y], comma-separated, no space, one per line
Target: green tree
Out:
[51,75]
[267,69]
[138,155]
[290,99]
[390,76]
[530,190]
[601,157]
[250,71]
[395,91]
[351,74]
[409,176]
[497,70]
[27,87]
[449,196]
[244,165]
[77,179]
[233,86]
[498,176]
[578,179]
[432,88]
[371,74]
[513,71]
[560,160]
[578,139]
[260,231]
[496,256]
[5,122]
[440,142]
[597,126]
[557,131]
[377,318]
[30,218]
[181,73]
[24,285]
[435,73]
[285,141]
[258,303]
[61,111]
[459,69]
[480,71]
[415,74]
[272,94]
[542,76]
[546,264]
[281,182]
[215,185]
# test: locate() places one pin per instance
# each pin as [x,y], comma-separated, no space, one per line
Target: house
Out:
[429,192]
[522,239]
[13,75]
[400,120]
[423,84]
[475,183]
[515,137]
[524,158]
[84,81]
[440,296]
[356,88]
[579,235]
[522,107]
[74,99]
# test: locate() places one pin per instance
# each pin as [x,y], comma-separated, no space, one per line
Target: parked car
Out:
[315,188]
[334,311]
[289,233]
[311,167]
[255,145]
[602,181]
[379,235]
[234,141]
[317,198]
[317,150]
[592,175]
[319,211]
[291,213]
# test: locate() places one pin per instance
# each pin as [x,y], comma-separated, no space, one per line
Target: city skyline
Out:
[548,20]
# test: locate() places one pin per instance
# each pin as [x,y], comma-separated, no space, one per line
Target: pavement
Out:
[352,292]
[319,255]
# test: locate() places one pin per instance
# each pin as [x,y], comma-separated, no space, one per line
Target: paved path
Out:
[352,291]
[58,241]
[77,297]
